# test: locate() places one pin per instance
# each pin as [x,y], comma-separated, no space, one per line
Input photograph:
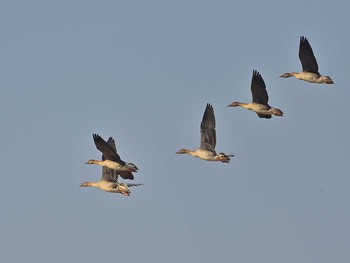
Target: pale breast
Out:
[308,76]
[115,166]
[260,108]
[107,186]
[206,155]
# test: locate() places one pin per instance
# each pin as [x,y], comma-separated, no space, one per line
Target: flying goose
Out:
[310,68]
[206,150]
[112,159]
[109,180]
[260,99]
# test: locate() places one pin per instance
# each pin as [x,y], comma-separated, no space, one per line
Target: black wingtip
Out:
[257,76]
[304,41]
[209,110]
[209,105]
[111,140]
[256,73]
[97,139]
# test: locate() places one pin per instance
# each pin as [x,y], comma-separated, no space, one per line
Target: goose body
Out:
[111,158]
[260,100]
[111,187]
[309,64]
[117,166]
[206,151]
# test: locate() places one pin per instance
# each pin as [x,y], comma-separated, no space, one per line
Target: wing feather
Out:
[208,133]
[307,57]
[258,89]
[106,149]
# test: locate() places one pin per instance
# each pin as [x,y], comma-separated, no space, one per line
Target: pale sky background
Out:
[142,72]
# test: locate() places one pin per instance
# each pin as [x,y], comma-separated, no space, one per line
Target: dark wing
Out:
[107,150]
[131,185]
[306,56]
[264,116]
[208,134]
[126,175]
[113,175]
[111,143]
[258,89]
[109,175]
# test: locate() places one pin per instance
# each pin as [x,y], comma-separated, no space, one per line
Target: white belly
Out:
[309,77]
[206,155]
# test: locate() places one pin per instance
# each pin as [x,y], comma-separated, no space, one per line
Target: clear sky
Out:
[142,72]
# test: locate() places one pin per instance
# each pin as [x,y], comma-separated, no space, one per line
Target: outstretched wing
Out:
[131,185]
[126,175]
[307,57]
[208,133]
[109,175]
[111,143]
[106,149]
[258,89]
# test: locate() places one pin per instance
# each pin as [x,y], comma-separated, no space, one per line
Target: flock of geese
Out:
[113,166]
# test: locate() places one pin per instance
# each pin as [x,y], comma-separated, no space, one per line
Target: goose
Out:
[260,99]
[112,159]
[206,150]
[109,185]
[310,68]
[109,180]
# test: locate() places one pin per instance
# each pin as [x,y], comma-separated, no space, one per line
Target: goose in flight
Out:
[109,180]
[310,67]
[260,99]
[206,150]
[112,159]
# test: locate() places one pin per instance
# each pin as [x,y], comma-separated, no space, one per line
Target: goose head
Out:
[287,75]
[86,184]
[234,104]
[181,151]
[92,161]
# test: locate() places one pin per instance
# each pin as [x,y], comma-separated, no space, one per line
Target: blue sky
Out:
[142,72]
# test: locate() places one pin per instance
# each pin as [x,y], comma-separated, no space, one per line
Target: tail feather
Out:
[225,158]
[277,112]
